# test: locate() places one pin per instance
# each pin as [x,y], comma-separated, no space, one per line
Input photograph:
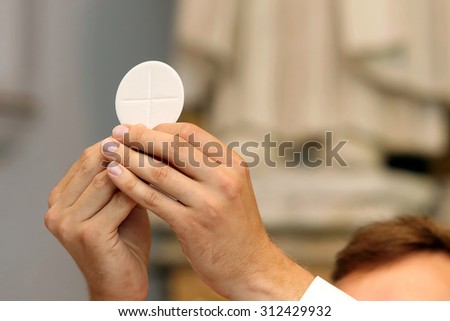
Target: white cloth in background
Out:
[277,66]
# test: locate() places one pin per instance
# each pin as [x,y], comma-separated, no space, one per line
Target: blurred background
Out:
[374,73]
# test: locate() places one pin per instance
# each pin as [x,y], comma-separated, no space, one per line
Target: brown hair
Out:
[383,242]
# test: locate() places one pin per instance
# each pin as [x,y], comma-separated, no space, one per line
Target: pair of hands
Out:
[99,215]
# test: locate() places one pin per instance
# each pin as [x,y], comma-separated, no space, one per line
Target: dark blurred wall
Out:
[79,51]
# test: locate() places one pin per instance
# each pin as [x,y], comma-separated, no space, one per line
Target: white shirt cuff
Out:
[321,290]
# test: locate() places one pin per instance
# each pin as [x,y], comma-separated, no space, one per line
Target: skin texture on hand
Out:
[103,229]
[211,208]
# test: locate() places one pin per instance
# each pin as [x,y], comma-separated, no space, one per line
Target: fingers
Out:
[212,147]
[202,140]
[155,172]
[90,164]
[59,188]
[115,211]
[95,197]
[150,198]
[135,228]
[168,148]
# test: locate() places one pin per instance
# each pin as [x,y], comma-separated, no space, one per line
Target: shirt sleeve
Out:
[322,291]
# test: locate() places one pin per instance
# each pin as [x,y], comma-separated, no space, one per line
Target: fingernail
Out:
[114,168]
[109,146]
[119,131]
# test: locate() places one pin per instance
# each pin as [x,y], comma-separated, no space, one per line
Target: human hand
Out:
[212,209]
[104,231]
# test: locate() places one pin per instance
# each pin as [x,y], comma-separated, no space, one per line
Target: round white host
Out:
[151,93]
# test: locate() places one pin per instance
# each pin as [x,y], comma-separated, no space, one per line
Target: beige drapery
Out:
[278,65]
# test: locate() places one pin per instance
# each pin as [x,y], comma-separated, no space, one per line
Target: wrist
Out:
[122,293]
[279,279]
[95,295]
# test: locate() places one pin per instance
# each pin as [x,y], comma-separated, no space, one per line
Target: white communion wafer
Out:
[151,93]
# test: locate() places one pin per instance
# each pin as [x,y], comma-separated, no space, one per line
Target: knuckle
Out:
[85,167]
[87,235]
[88,161]
[100,181]
[160,174]
[50,219]
[151,199]
[230,186]
[188,129]
[212,209]
[63,231]
[121,200]
[131,184]
[160,127]
[139,132]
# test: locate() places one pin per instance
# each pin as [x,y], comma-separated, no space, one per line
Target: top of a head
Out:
[151,93]
[383,242]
